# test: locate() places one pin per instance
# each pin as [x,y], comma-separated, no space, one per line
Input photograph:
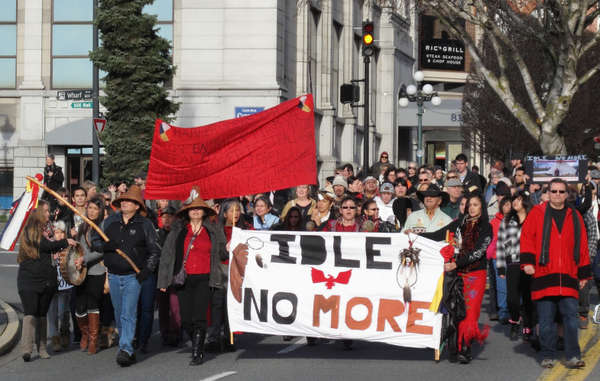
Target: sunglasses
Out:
[374,209]
[413,168]
[348,207]
[384,157]
[451,177]
[558,191]
[423,180]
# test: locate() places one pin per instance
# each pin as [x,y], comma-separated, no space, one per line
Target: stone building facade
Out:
[233,57]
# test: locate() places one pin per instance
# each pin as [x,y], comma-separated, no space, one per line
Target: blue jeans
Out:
[547,308]
[146,309]
[500,294]
[596,266]
[124,294]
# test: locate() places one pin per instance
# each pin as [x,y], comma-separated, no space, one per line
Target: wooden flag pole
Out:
[87,220]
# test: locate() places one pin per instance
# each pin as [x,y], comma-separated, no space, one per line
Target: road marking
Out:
[219,376]
[9,265]
[590,349]
[297,344]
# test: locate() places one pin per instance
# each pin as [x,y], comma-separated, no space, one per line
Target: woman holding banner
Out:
[190,261]
[88,295]
[36,280]
[473,234]
[348,222]
[229,217]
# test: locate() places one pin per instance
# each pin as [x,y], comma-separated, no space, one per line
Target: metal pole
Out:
[367,60]
[420,132]
[96,107]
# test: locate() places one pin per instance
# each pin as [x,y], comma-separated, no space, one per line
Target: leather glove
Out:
[143,275]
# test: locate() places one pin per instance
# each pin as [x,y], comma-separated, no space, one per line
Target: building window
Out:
[8,44]
[72,40]
[163,10]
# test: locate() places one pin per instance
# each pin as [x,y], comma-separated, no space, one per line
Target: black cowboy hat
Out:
[433,191]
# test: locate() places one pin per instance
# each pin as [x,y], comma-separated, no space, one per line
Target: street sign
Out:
[82,105]
[245,111]
[99,124]
[73,95]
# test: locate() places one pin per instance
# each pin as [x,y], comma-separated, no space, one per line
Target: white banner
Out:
[334,285]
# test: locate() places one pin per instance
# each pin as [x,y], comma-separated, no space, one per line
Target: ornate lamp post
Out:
[420,94]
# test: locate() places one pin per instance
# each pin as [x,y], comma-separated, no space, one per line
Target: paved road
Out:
[269,358]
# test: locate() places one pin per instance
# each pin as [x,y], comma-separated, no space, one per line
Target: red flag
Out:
[273,149]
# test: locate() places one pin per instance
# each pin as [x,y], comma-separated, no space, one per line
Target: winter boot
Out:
[65,334]
[198,347]
[56,346]
[83,324]
[514,331]
[27,335]
[464,356]
[93,328]
[43,330]
[103,338]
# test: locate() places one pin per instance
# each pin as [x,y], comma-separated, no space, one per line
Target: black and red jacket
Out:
[561,275]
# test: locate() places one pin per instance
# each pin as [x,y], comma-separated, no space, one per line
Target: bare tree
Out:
[565,34]
[487,120]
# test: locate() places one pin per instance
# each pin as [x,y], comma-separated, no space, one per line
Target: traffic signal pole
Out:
[368,38]
[367,61]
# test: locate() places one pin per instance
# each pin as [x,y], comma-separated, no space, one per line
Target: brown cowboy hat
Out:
[195,202]
[134,194]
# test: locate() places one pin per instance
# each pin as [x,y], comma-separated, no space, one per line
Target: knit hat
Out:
[369,178]
[60,225]
[169,210]
[502,189]
[340,180]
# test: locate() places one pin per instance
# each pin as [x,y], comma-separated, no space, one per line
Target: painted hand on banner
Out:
[238,270]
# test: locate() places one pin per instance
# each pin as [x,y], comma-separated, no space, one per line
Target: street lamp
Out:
[420,94]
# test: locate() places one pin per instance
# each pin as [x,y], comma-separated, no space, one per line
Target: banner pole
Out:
[87,220]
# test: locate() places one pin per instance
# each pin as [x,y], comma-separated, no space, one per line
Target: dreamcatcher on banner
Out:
[18,214]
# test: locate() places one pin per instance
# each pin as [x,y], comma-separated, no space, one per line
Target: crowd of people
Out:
[531,244]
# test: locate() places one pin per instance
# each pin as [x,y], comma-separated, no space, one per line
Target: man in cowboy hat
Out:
[130,231]
[431,218]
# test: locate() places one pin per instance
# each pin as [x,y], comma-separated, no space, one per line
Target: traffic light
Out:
[368,38]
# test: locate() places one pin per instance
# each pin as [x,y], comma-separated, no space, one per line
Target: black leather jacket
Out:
[137,239]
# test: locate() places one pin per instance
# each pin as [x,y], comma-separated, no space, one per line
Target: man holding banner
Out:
[336,285]
[130,231]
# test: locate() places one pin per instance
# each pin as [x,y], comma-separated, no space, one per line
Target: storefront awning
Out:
[76,133]
[448,114]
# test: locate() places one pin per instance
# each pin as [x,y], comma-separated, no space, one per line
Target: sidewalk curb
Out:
[10,335]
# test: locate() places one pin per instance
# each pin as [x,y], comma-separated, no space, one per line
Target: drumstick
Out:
[87,220]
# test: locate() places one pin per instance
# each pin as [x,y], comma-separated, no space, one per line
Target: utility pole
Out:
[96,106]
